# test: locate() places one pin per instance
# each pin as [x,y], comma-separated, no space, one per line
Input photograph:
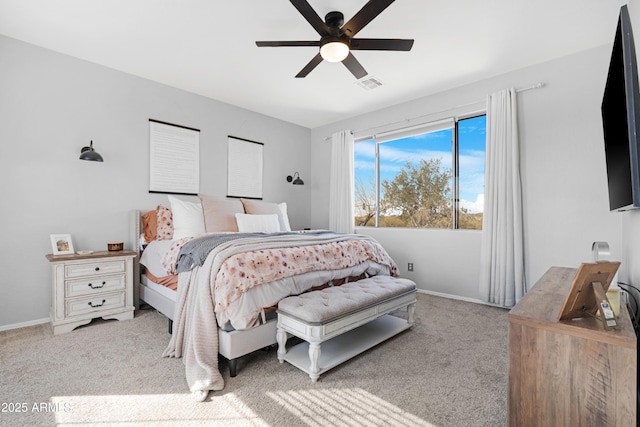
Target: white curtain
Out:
[502,279]
[341,183]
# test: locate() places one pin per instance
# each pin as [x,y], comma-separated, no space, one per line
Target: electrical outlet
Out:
[410,266]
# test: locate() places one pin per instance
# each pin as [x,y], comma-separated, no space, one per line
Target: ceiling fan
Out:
[336,40]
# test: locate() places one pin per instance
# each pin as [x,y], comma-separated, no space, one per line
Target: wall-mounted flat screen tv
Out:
[620,109]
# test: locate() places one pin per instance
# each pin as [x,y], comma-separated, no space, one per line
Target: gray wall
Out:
[51,105]
[563,173]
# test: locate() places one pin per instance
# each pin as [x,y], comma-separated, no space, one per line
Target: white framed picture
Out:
[61,244]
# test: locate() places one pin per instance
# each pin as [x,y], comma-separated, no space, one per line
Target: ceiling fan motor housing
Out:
[334,20]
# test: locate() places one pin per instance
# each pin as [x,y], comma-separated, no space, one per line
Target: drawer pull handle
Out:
[97,268]
[97,287]
[97,305]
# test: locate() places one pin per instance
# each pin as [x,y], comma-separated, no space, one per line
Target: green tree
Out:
[419,195]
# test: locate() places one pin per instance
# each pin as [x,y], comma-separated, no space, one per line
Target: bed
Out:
[224,291]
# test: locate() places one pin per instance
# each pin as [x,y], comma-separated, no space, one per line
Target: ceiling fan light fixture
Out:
[334,50]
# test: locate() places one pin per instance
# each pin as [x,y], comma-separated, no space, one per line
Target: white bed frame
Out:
[232,344]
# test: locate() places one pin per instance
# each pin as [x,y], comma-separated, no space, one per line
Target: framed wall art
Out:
[174,158]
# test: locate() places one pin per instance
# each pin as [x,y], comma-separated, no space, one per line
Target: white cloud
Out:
[365,149]
[474,207]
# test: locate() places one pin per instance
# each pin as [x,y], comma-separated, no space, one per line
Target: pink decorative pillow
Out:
[165,223]
[220,213]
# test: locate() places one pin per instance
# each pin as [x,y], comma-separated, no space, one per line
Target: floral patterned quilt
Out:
[256,261]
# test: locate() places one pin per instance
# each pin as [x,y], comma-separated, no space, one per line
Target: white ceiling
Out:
[207,47]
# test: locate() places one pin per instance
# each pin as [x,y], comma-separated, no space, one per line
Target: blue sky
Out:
[394,155]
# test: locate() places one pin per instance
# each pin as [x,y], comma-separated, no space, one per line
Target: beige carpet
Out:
[450,369]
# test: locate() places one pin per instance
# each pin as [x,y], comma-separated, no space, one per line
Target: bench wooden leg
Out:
[281,337]
[314,357]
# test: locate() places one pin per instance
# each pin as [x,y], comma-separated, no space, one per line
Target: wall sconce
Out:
[88,153]
[296,181]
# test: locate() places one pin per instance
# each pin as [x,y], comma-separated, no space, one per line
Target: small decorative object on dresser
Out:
[115,246]
[88,286]
[61,244]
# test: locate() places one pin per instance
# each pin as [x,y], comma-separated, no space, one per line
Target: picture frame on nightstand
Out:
[61,244]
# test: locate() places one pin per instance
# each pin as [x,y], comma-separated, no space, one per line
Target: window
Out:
[428,176]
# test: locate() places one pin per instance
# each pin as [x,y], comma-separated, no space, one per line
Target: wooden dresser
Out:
[84,287]
[568,373]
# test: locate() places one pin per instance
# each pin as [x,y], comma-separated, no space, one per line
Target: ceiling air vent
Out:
[369,84]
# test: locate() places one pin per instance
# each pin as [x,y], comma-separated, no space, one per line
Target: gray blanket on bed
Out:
[195,252]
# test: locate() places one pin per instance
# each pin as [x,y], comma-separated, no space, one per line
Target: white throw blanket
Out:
[195,330]
[197,345]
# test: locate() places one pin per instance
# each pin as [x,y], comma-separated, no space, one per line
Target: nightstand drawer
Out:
[94,285]
[78,306]
[94,268]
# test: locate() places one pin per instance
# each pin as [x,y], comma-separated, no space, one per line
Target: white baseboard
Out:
[458,297]
[24,324]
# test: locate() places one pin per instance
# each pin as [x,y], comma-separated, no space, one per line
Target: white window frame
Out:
[420,129]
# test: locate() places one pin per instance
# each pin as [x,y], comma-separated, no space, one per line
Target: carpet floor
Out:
[449,369]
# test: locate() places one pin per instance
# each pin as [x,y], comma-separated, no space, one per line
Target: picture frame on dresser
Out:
[61,244]
[588,289]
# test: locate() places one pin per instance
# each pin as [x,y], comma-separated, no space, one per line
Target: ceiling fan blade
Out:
[354,66]
[310,66]
[311,16]
[381,44]
[365,15]
[287,43]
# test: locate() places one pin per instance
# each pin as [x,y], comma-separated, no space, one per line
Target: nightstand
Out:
[88,286]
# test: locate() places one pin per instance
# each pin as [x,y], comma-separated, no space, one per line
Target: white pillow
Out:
[285,218]
[257,223]
[188,219]
[260,207]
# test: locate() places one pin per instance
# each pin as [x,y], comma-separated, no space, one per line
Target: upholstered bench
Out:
[346,320]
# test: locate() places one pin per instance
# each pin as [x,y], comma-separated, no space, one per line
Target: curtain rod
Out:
[535,86]
[524,89]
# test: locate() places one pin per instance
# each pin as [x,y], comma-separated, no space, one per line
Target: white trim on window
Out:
[419,129]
